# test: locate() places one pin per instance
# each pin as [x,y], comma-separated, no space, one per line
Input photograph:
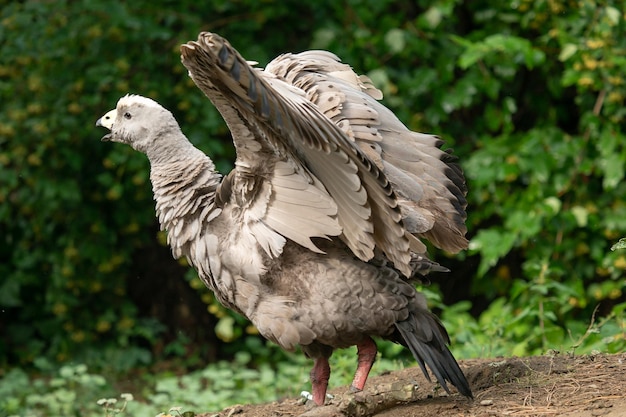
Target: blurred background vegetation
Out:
[530,94]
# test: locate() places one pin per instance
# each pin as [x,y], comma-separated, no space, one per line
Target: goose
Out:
[317,234]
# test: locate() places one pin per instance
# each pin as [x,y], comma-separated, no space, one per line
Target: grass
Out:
[73,390]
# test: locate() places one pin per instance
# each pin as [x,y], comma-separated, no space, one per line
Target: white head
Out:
[137,121]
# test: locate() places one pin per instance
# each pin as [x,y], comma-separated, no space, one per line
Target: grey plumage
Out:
[315,234]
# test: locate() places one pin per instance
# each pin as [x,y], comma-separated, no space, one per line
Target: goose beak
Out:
[107,121]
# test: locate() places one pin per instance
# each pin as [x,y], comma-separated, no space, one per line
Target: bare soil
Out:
[559,385]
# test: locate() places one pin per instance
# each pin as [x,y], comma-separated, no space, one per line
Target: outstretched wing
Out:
[272,120]
[429,184]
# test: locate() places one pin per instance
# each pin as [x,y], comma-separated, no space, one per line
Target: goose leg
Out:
[319,379]
[366,351]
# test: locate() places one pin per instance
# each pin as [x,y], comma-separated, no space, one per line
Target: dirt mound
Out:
[558,385]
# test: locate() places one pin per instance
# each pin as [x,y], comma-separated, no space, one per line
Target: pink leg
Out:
[366,351]
[319,380]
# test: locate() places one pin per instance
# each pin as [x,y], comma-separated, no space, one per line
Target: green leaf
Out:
[581,214]
[554,204]
[394,39]
[466,43]
[492,245]
[613,169]
[613,15]
[379,77]
[433,16]
[472,54]
[621,244]
[224,328]
[568,50]
[500,44]
[322,38]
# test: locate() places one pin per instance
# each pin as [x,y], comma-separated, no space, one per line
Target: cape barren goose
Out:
[315,235]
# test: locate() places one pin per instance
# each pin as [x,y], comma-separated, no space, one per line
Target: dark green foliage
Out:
[530,93]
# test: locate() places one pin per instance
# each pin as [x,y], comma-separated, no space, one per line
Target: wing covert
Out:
[429,184]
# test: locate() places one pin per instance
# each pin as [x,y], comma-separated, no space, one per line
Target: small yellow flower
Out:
[59,309]
[114,193]
[196,284]
[71,252]
[122,65]
[250,329]
[615,97]
[511,159]
[215,310]
[34,108]
[603,272]
[206,298]
[620,262]
[94,31]
[162,238]
[67,271]
[115,33]
[591,208]
[23,60]
[108,163]
[555,6]
[139,179]
[581,249]
[122,86]
[125,323]
[6,130]
[7,22]
[585,81]
[74,108]
[18,115]
[35,83]
[590,63]
[79,85]
[503,272]
[95,286]
[40,128]
[103,326]
[132,227]
[33,159]
[615,80]
[597,294]
[78,336]
[595,43]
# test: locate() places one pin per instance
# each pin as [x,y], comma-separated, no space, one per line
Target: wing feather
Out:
[430,185]
[300,207]
[286,124]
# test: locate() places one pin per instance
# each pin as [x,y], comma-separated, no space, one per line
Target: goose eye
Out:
[127,115]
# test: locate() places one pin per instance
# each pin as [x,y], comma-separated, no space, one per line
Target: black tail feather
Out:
[427,339]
